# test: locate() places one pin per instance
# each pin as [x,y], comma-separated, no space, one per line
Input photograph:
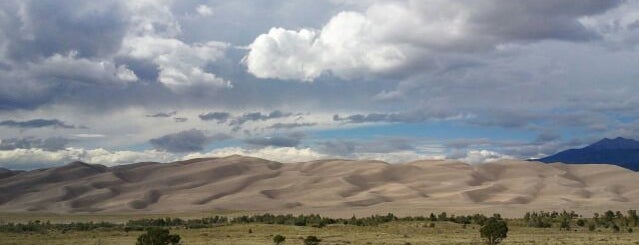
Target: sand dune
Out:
[332,187]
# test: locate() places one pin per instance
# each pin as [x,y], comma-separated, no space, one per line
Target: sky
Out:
[116,82]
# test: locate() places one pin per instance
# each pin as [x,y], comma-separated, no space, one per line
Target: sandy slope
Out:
[332,187]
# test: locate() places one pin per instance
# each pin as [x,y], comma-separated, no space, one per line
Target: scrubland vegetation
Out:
[534,228]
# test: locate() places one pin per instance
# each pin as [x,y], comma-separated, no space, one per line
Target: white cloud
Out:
[181,65]
[280,154]
[397,156]
[391,35]
[204,10]
[70,67]
[28,158]
[482,156]
[344,47]
[154,36]
[123,73]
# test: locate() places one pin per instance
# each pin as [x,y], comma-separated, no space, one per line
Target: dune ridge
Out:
[331,187]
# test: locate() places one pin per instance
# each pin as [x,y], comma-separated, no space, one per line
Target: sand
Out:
[329,187]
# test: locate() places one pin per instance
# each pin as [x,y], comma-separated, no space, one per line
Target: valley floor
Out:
[388,233]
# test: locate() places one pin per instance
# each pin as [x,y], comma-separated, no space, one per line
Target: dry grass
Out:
[391,233]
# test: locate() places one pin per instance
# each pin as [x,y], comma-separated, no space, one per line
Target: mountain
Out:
[329,187]
[619,151]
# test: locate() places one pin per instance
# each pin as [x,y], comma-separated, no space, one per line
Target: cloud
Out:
[37,29]
[70,67]
[47,144]
[185,141]
[181,65]
[380,145]
[37,123]
[288,140]
[290,125]
[280,154]
[220,117]
[258,116]
[39,158]
[482,156]
[163,114]
[180,119]
[404,117]
[391,35]
[204,10]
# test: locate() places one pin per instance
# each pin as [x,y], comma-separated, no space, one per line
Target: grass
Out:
[388,233]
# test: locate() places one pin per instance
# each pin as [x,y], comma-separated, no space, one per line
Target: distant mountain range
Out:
[619,151]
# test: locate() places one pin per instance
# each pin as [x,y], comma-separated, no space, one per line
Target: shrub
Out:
[311,240]
[592,227]
[615,228]
[278,239]
[157,236]
[581,222]
[494,231]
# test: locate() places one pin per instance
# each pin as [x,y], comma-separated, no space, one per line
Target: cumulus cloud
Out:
[390,34]
[38,158]
[181,65]
[280,154]
[69,67]
[482,156]
[37,123]
[185,141]
[204,10]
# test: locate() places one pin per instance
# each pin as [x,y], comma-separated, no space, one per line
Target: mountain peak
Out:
[618,151]
[618,143]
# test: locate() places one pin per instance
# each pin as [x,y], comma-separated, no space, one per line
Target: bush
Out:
[581,222]
[615,228]
[278,239]
[311,240]
[494,231]
[158,236]
[592,227]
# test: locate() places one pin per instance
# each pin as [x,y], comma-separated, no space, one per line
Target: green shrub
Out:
[157,236]
[494,231]
[278,239]
[311,240]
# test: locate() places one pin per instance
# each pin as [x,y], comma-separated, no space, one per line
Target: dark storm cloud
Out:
[48,144]
[258,116]
[219,117]
[538,20]
[43,28]
[163,114]
[37,123]
[185,141]
[289,140]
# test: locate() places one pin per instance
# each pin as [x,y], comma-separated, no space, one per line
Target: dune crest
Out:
[340,187]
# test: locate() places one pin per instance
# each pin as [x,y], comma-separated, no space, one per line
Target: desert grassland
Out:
[414,232]
[117,218]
